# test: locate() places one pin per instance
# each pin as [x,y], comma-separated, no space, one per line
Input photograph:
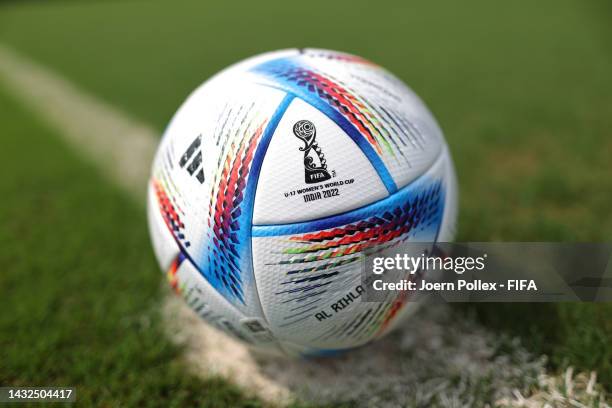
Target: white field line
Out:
[121,146]
[436,359]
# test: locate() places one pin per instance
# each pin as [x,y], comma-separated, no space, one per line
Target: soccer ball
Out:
[275,176]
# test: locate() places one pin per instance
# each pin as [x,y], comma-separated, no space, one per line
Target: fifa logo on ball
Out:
[315,166]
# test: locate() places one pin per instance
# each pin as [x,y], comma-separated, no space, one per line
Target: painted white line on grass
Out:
[436,359]
[121,146]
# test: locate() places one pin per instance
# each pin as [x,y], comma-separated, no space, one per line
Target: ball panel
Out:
[213,308]
[202,179]
[306,177]
[189,283]
[384,117]
[309,274]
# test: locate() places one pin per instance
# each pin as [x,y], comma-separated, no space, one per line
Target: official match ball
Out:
[276,176]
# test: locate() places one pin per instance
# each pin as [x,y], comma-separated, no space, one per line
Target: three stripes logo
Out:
[193,163]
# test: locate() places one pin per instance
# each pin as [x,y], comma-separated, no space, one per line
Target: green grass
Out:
[522,90]
[76,312]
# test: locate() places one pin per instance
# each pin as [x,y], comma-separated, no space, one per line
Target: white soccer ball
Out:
[273,178]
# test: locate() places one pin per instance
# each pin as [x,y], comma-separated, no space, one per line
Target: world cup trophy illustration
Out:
[315,166]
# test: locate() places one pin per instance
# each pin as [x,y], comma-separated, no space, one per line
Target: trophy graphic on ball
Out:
[315,167]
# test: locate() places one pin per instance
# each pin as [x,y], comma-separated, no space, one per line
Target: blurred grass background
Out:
[523,91]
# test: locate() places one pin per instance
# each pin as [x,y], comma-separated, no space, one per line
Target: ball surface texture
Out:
[275,176]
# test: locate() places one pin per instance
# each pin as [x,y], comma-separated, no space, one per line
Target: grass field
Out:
[522,89]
